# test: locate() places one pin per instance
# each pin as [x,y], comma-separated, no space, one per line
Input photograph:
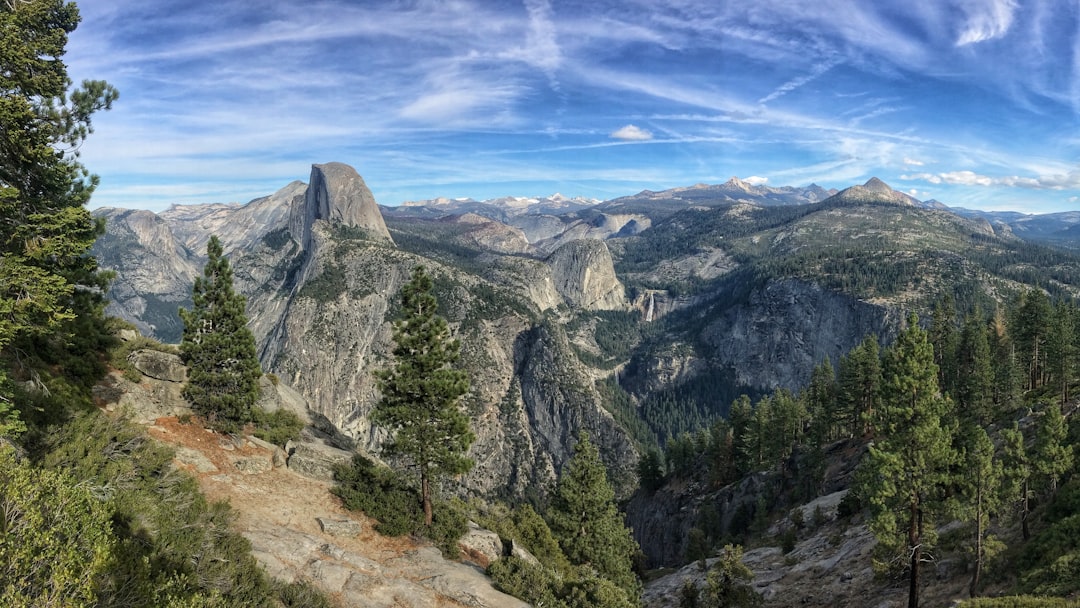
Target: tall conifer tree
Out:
[906,472]
[420,393]
[1018,471]
[1052,455]
[975,384]
[218,347]
[980,494]
[45,229]
[588,524]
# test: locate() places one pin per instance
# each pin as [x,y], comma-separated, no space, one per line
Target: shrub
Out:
[300,594]
[787,540]
[278,427]
[385,495]
[380,493]
[536,585]
[797,518]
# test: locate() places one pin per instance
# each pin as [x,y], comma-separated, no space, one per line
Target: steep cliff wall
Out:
[776,336]
[585,276]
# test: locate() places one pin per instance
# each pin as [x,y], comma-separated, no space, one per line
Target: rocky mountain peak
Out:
[875,191]
[876,185]
[336,193]
[737,184]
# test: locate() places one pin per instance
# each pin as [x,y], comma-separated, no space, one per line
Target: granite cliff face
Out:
[157,270]
[585,276]
[817,324]
[337,194]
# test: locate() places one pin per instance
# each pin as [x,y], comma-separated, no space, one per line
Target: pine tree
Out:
[740,415]
[906,471]
[45,229]
[1018,471]
[1061,347]
[219,349]
[943,337]
[729,583]
[588,524]
[975,385]
[1029,326]
[757,436]
[857,390]
[979,483]
[822,403]
[1007,374]
[650,470]
[421,392]
[1052,457]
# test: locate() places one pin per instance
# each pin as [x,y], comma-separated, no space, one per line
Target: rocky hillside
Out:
[635,318]
[297,529]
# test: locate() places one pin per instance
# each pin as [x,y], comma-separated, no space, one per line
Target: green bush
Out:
[278,427]
[380,493]
[787,540]
[534,584]
[300,594]
[449,524]
[385,495]
[56,539]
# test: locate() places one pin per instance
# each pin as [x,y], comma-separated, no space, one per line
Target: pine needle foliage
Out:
[906,473]
[421,392]
[219,349]
[588,524]
[45,229]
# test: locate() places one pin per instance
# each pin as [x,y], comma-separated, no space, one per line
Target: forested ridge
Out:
[970,406]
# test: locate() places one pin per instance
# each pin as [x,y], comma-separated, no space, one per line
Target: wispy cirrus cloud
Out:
[1063,181]
[466,95]
[985,20]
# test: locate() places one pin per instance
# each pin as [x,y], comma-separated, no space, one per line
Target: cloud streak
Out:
[476,96]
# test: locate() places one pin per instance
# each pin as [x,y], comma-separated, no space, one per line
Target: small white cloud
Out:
[756,180]
[632,133]
[986,21]
[913,162]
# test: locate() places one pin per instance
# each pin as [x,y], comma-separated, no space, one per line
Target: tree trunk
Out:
[1024,509]
[915,544]
[974,586]
[425,496]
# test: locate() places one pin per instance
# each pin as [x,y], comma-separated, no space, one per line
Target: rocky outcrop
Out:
[584,275]
[784,329]
[312,458]
[493,236]
[560,399]
[143,401]
[159,365]
[337,194]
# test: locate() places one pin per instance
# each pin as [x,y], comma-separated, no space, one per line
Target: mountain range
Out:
[635,318]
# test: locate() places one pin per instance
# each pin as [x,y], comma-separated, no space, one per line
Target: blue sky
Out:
[972,102]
